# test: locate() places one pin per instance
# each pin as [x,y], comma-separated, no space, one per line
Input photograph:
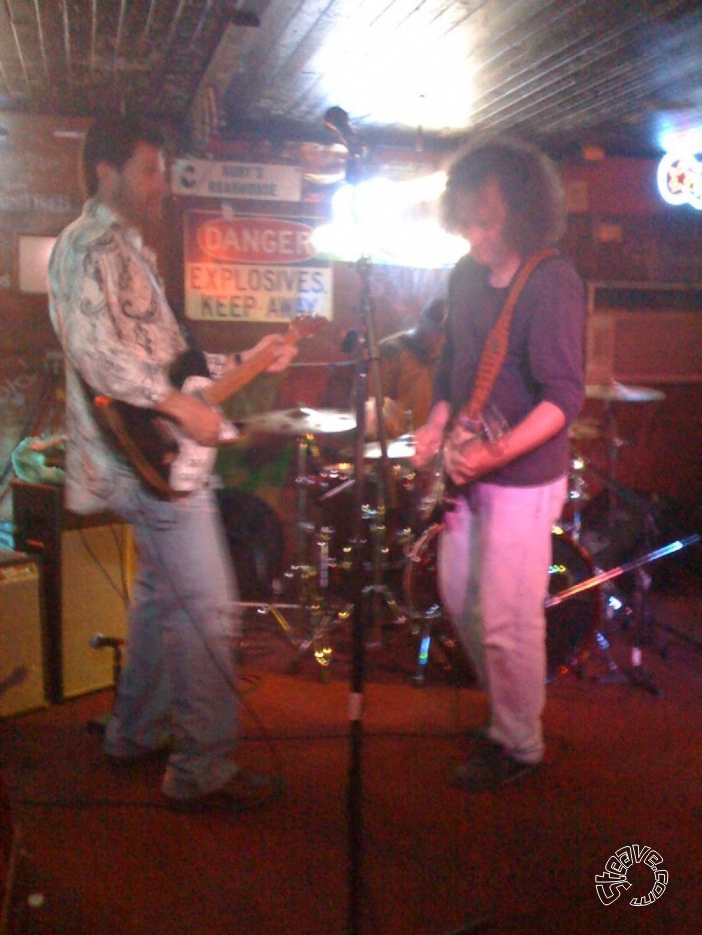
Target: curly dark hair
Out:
[113,139]
[530,184]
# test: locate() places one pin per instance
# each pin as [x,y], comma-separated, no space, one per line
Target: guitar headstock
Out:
[307,325]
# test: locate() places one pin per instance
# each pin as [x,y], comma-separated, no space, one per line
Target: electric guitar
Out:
[166,460]
[489,427]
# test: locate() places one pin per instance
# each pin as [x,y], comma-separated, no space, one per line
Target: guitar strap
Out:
[495,349]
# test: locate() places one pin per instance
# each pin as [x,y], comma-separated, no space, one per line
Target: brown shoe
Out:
[244,792]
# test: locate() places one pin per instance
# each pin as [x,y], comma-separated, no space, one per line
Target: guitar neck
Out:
[234,380]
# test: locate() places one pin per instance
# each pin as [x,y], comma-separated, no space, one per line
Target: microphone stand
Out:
[364,597]
[98,724]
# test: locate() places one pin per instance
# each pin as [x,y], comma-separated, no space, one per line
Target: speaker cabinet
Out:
[94,595]
[21,642]
[86,566]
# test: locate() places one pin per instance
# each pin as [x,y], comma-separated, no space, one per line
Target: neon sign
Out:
[680,180]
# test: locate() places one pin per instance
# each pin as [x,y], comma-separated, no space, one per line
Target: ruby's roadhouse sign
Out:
[253,268]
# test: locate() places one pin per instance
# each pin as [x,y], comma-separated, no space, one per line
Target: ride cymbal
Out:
[618,393]
[302,421]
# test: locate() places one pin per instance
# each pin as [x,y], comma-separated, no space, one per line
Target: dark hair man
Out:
[120,338]
[407,364]
[505,198]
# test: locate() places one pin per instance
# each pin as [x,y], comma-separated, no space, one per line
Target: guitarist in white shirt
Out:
[494,549]
[120,338]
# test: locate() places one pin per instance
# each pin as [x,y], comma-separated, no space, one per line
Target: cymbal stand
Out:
[302,573]
[303,527]
[643,628]
[312,579]
[615,444]
[380,593]
[577,493]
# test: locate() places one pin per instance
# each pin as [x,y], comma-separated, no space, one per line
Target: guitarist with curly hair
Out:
[510,381]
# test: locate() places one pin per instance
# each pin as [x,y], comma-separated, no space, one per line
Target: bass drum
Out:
[255,538]
[570,625]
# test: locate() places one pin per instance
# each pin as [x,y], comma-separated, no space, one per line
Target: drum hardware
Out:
[333,472]
[568,630]
[423,620]
[637,676]
[303,528]
[610,394]
[577,494]
[248,525]
[321,622]
[336,572]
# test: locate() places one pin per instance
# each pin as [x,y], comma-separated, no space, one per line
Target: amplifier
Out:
[86,568]
[21,636]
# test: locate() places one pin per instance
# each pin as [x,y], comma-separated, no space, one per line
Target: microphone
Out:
[98,641]
[337,120]
[350,340]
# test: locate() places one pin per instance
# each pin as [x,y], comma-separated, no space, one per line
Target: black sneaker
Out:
[244,792]
[490,767]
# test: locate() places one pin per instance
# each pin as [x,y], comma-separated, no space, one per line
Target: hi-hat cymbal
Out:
[302,421]
[400,449]
[618,393]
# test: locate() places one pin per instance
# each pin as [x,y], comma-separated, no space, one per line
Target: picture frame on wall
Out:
[33,253]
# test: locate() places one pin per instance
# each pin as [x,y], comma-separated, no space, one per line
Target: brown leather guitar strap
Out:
[495,349]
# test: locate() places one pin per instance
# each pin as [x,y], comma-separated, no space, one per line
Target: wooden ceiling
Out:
[618,74]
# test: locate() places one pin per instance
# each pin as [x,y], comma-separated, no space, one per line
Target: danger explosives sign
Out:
[252,268]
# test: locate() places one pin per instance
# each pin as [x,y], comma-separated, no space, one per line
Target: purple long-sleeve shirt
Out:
[544,361]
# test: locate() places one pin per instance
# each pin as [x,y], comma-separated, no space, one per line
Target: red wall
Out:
[618,229]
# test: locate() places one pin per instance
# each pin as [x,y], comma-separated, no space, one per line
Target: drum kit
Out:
[399,553]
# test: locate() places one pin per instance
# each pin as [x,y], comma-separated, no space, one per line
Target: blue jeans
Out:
[494,555]
[178,677]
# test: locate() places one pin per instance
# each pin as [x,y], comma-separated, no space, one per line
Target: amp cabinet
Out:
[86,568]
[22,671]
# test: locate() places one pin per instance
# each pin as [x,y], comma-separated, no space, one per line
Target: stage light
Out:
[390,222]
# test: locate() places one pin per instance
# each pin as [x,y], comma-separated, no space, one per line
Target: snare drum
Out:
[570,625]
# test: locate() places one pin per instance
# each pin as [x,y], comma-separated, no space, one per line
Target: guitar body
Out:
[440,490]
[169,463]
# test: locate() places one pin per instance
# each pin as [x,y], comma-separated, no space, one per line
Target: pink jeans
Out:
[494,555]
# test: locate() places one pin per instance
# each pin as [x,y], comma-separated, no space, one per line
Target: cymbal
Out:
[302,421]
[618,393]
[399,449]
[584,429]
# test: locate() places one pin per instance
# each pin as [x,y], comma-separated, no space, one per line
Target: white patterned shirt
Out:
[109,309]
